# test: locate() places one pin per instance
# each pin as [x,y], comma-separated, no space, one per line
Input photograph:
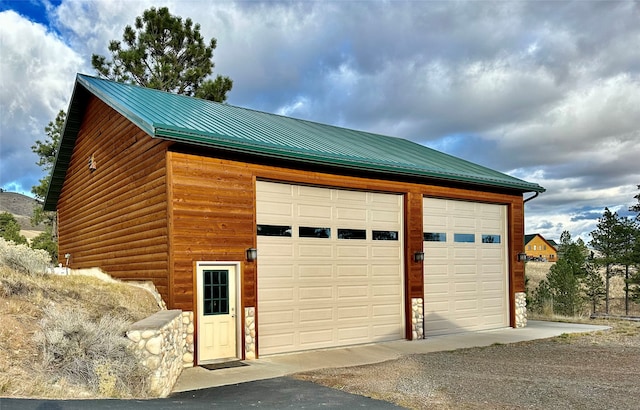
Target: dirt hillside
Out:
[25,301]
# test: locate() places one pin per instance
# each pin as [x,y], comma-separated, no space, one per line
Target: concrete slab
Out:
[281,365]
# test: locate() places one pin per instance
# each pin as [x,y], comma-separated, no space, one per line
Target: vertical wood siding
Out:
[212,216]
[115,217]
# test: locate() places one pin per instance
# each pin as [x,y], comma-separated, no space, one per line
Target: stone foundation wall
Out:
[521,309]
[417,319]
[165,343]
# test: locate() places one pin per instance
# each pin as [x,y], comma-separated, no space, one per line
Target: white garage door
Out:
[465,267]
[329,267]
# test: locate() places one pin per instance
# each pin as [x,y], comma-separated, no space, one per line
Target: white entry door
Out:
[216,312]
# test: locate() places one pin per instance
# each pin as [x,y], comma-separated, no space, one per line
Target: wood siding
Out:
[115,217]
[213,218]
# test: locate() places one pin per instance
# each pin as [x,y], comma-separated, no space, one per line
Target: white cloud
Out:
[37,72]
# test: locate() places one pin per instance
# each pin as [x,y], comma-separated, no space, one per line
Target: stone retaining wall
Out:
[165,343]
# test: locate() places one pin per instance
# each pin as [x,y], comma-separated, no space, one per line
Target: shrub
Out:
[93,353]
[23,259]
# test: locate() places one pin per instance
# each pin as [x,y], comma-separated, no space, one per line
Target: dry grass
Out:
[26,300]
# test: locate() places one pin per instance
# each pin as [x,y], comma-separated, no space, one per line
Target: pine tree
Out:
[608,244]
[628,233]
[164,53]
[593,286]
[565,287]
[47,152]
[633,283]
[561,290]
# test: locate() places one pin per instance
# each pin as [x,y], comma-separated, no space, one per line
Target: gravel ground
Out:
[599,370]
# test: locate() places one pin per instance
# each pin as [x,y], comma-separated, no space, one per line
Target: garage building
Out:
[280,234]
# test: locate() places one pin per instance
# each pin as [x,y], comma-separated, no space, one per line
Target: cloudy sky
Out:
[547,91]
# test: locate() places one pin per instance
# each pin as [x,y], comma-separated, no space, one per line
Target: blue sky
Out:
[547,91]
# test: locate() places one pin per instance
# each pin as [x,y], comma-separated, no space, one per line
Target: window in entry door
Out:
[216,292]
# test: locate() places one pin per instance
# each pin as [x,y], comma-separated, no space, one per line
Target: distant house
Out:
[538,248]
[283,235]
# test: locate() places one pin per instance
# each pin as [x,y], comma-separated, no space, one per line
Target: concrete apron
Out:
[282,365]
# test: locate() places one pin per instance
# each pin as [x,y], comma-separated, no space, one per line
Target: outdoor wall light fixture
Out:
[418,256]
[522,257]
[252,254]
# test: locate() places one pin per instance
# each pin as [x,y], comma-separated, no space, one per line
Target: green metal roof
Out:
[194,121]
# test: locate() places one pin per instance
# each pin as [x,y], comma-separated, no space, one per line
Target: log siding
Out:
[115,217]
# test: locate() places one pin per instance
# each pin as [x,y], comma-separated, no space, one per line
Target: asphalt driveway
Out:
[278,393]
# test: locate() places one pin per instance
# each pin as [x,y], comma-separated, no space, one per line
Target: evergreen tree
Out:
[164,53]
[627,231]
[574,253]
[561,290]
[47,152]
[593,286]
[10,229]
[633,284]
[565,288]
[606,241]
